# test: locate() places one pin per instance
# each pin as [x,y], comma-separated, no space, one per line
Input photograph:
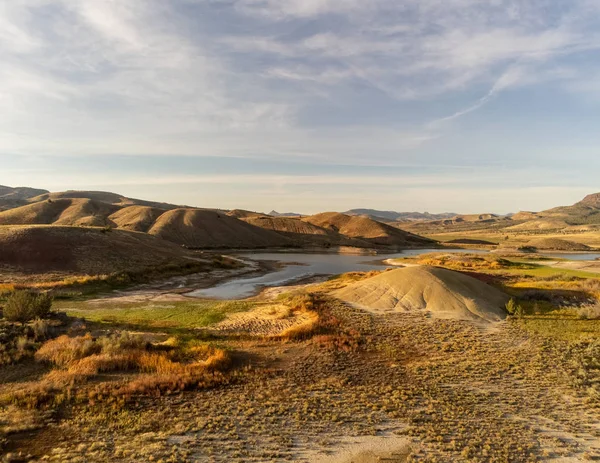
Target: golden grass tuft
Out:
[175,365]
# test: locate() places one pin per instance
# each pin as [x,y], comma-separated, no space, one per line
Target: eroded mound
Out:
[444,293]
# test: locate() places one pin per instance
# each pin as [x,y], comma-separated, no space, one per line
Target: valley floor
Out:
[392,387]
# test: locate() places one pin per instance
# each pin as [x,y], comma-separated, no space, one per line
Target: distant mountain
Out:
[394,216]
[284,214]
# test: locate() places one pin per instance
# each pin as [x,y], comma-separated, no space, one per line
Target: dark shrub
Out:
[23,306]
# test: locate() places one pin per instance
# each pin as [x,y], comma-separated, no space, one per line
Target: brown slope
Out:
[364,228]
[92,251]
[82,212]
[103,196]
[304,233]
[136,218]
[203,228]
[15,197]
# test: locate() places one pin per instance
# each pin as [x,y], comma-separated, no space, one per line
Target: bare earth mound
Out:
[203,228]
[91,251]
[556,244]
[444,293]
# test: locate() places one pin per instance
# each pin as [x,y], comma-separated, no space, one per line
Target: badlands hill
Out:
[366,229]
[15,197]
[203,228]
[83,250]
[444,293]
[73,212]
[102,196]
[196,228]
[304,232]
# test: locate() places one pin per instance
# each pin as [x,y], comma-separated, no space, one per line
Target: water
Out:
[572,256]
[304,265]
[301,266]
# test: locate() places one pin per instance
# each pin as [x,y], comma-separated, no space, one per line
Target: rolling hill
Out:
[102,196]
[73,212]
[203,228]
[83,250]
[200,228]
[15,197]
[303,232]
[367,229]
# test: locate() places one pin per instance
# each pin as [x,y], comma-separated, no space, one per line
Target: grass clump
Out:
[24,306]
[166,367]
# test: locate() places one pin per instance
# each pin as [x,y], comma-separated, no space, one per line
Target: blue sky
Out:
[305,105]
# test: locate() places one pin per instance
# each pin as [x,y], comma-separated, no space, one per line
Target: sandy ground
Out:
[270,320]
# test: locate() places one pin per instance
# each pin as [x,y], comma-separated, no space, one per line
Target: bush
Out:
[514,309]
[24,306]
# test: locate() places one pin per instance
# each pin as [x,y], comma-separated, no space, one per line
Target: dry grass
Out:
[76,360]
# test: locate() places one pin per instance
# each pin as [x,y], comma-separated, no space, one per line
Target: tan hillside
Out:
[92,251]
[556,244]
[15,197]
[525,215]
[83,212]
[367,229]
[103,196]
[540,224]
[136,218]
[203,228]
[303,232]
[444,293]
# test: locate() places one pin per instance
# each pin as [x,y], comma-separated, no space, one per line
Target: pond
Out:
[299,266]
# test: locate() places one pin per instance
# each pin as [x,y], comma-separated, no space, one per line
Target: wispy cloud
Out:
[337,81]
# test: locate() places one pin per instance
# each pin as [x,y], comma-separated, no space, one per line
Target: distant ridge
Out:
[400,216]
[285,214]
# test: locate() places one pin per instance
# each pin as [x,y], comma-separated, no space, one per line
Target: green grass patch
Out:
[564,327]
[178,314]
[543,271]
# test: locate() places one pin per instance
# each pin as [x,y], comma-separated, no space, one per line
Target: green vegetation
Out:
[560,325]
[24,306]
[174,315]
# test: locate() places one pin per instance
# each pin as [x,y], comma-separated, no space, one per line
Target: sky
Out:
[467,106]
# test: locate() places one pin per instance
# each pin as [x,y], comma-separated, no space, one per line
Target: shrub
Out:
[23,306]
[514,309]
